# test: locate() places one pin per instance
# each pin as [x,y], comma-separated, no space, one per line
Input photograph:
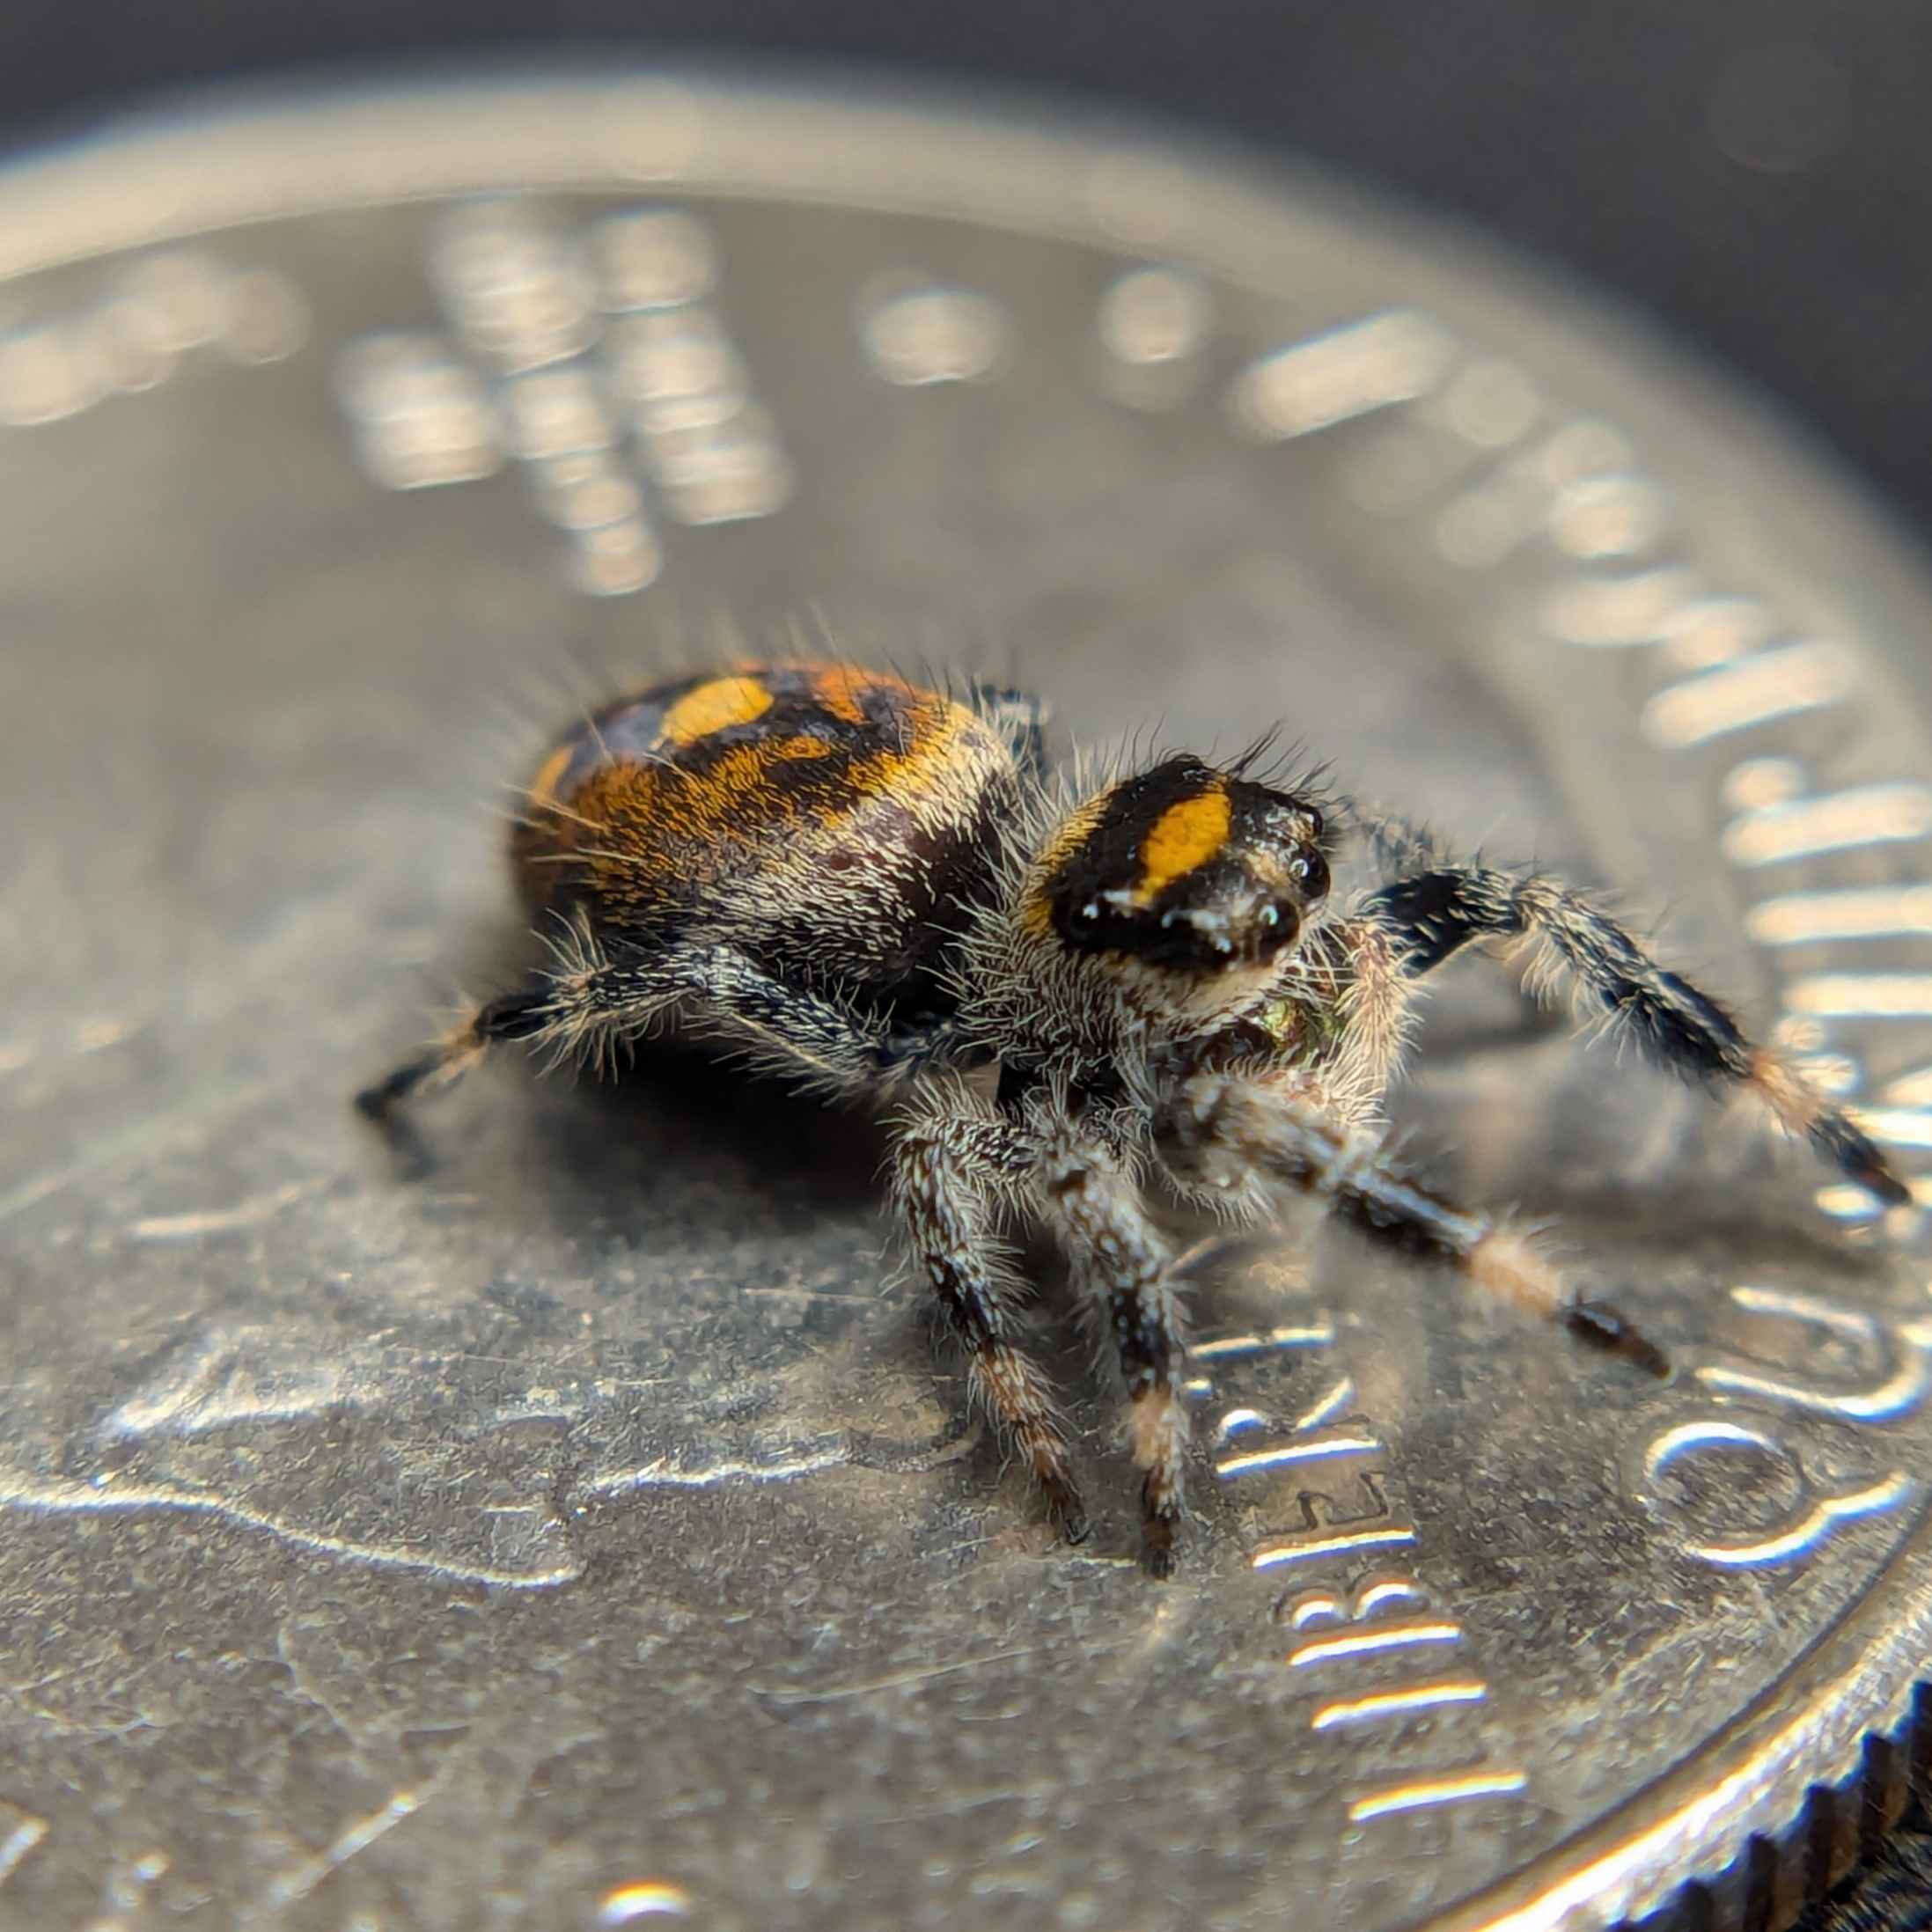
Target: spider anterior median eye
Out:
[1270,915]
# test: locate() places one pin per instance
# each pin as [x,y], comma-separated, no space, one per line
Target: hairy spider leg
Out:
[956,1166]
[1219,1130]
[594,1002]
[1437,911]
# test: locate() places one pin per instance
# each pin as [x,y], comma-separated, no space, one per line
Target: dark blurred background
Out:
[1755,173]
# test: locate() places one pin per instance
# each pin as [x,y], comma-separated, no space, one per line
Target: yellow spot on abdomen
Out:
[543,788]
[713,707]
[1184,836]
[837,689]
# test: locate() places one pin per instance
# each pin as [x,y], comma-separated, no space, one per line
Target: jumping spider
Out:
[874,889]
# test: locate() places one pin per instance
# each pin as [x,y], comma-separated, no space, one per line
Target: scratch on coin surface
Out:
[304,1683]
[779,1694]
[244,1214]
[809,1294]
[56,1498]
[303,1879]
[961,1803]
[664,1474]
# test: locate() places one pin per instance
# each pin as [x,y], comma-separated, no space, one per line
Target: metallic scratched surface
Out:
[583,1537]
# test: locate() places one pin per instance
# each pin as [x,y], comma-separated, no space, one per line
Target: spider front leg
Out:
[1226,1131]
[1435,911]
[957,1165]
[1087,1196]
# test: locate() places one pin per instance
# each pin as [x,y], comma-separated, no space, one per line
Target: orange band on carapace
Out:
[1184,836]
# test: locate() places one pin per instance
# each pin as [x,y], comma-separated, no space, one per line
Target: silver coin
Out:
[583,1536]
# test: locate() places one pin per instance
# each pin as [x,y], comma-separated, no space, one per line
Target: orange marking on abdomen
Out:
[836,692]
[714,707]
[656,824]
[838,689]
[543,786]
[789,748]
[936,731]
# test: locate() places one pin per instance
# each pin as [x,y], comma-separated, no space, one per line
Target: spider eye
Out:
[1309,871]
[1271,915]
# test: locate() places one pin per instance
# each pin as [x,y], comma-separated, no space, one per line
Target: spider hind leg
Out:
[594,1002]
[521,1014]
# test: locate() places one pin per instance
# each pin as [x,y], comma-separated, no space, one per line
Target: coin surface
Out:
[581,1536]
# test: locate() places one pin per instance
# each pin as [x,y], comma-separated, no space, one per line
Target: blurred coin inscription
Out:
[580,1536]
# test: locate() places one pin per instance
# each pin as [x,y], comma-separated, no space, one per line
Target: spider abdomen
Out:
[832,823]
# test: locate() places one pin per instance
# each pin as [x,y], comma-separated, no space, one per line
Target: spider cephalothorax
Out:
[1186,867]
[872,886]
